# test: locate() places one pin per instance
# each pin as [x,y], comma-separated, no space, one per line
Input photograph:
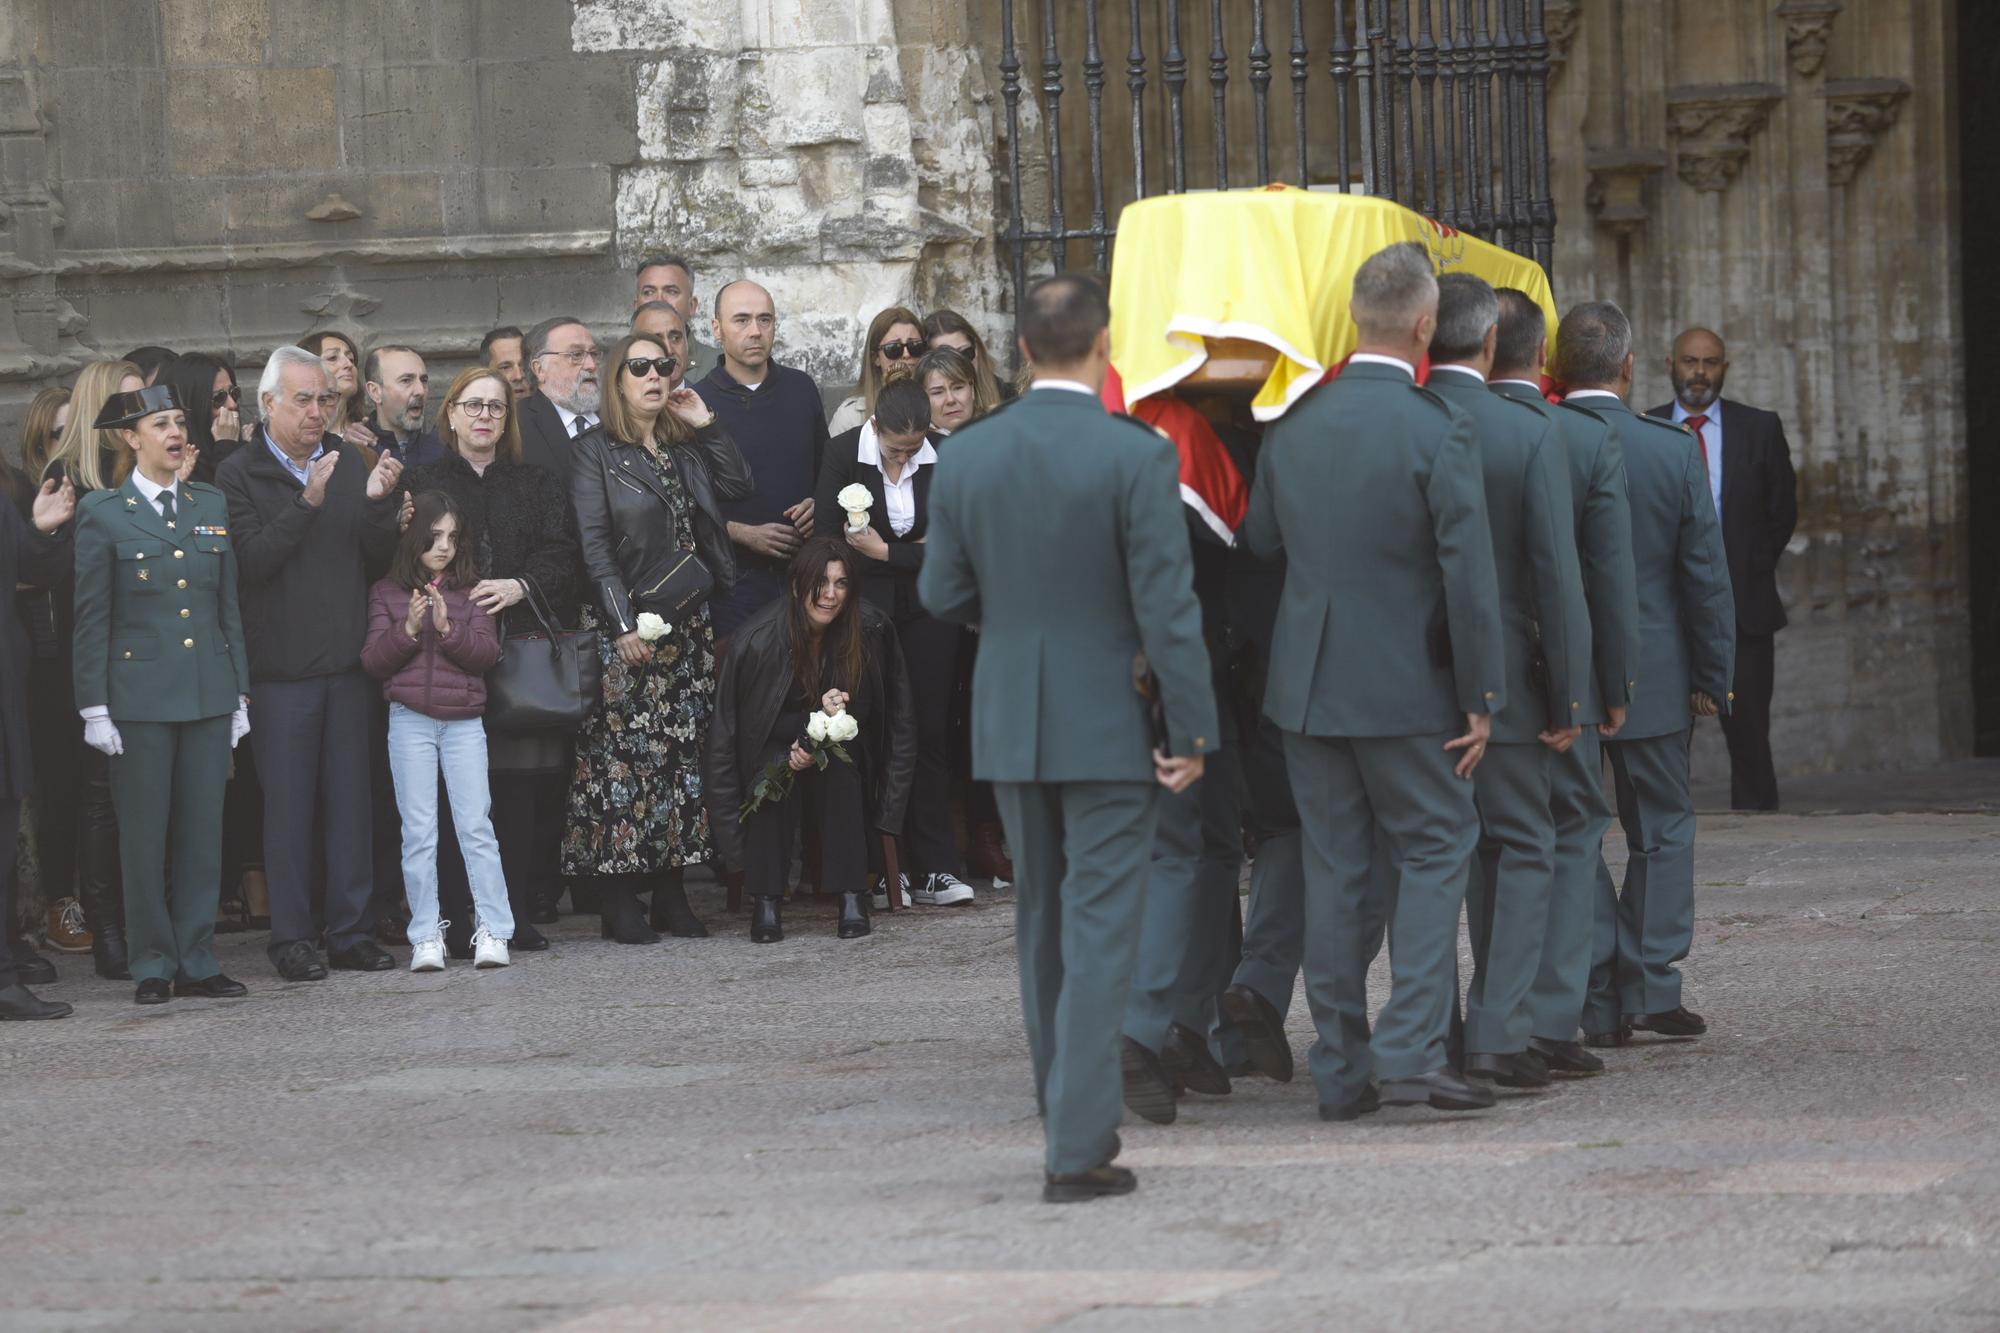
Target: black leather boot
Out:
[101,888]
[765,925]
[854,916]
[618,905]
[671,912]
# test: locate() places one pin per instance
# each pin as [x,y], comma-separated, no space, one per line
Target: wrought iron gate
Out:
[1441,105]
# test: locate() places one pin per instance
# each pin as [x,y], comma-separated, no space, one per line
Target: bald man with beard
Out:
[1751,483]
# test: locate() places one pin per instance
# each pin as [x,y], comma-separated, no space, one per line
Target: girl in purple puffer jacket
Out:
[431,646]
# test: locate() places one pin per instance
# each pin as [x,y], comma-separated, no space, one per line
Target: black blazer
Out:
[26,556]
[1760,507]
[890,584]
[544,441]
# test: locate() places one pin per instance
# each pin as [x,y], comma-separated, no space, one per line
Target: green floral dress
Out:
[635,796]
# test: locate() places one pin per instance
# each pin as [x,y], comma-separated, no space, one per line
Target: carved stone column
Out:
[1712,126]
[1858,112]
[1560,21]
[1808,25]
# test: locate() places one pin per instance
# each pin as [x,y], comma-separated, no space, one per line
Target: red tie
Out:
[1695,423]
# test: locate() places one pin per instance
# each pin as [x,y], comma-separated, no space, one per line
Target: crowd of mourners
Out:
[364,663]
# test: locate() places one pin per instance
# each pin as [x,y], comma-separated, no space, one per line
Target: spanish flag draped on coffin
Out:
[1273,267]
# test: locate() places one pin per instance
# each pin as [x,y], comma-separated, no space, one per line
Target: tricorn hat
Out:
[122,409]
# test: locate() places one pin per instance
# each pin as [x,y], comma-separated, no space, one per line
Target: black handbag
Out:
[671,596]
[543,682]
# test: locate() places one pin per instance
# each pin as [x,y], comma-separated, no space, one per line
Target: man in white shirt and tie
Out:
[563,355]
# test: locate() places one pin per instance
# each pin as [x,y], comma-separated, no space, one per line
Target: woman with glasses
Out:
[895,338]
[517,526]
[646,490]
[343,367]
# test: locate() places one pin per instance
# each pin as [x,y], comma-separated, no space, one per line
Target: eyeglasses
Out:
[896,351]
[482,407]
[638,366]
[229,395]
[576,356]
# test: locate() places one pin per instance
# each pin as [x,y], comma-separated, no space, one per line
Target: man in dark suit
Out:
[563,355]
[1751,483]
[1056,529]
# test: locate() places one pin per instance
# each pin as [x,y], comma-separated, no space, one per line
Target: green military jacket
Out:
[1057,529]
[1547,632]
[1686,610]
[158,637]
[1389,624]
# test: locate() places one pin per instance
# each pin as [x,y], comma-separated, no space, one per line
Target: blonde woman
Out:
[895,338]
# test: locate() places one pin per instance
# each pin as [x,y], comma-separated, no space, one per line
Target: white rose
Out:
[842,727]
[854,498]
[819,726]
[652,627]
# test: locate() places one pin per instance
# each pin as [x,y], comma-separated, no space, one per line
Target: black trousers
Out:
[55,736]
[386,855]
[930,652]
[1753,778]
[838,806]
[311,738]
[242,821]
[10,832]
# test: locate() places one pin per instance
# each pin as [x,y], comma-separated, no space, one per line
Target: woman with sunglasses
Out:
[214,427]
[517,526]
[646,490]
[895,338]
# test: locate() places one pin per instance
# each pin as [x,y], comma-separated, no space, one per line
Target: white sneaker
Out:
[488,951]
[428,955]
[878,898]
[943,890]
[999,883]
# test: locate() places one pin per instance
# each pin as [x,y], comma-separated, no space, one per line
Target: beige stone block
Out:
[215,32]
[234,120]
[802,97]
[391,204]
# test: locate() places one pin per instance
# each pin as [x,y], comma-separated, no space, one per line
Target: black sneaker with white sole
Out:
[942,890]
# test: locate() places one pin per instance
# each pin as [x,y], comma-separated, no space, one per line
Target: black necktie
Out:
[167,507]
[577,426]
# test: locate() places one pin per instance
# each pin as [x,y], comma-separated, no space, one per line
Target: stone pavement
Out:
[831,1136]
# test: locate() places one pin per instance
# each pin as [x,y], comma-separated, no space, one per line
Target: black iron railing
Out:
[1441,105]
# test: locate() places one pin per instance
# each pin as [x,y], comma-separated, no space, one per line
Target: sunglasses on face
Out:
[229,395]
[482,407]
[896,351]
[638,366]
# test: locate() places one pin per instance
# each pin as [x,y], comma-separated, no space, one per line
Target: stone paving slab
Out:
[832,1135]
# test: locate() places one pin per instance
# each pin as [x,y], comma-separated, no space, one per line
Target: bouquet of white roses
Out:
[651,628]
[825,741]
[856,500]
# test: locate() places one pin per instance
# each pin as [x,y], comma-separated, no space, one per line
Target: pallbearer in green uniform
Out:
[1057,530]
[1386,666]
[1687,641]
[1547,638]
[1603,520]
[161,681]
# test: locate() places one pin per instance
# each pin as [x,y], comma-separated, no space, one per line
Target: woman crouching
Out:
[818,648]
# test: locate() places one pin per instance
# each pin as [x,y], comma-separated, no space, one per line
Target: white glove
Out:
[100,733]
[239,721]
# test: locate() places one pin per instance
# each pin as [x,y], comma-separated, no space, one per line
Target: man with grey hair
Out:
[1547,640]
[313,525]
[1386,667]
[1687,640]
[563,354]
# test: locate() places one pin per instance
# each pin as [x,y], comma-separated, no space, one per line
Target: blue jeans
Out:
[418,747]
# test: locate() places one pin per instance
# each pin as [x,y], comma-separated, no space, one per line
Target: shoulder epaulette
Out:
[1581,410]
[1431,396]
[96,497]
[1146,426]
[1539,409]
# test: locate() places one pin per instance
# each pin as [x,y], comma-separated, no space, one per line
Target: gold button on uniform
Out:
[128,657]
[185,613]
[1489,696]
[182,583]
[180,555]
[187,643]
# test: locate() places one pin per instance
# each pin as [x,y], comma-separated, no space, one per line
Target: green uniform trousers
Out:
[1641,932]
[1081,851]
[167,789]
[1274,927]
[1576,801]
[1507,894]
[1402,789]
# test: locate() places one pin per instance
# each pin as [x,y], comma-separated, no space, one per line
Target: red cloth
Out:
[1211,483]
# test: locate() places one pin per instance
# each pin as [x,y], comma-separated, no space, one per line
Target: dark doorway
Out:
[1979,222]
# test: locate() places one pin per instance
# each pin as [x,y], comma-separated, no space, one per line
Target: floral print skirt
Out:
[635,796]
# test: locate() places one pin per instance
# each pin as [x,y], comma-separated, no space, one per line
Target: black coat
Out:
[1760,508]
[628,532]
[890,584]
[518,524]
[26,556]
[544,441]
[756,674]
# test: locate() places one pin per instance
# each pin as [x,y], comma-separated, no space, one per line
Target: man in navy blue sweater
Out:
[775,415]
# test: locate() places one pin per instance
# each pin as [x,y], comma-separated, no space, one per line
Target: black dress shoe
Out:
[108,954]
[18,1004]
[1514,1070]
[153,990]
[853,916]
[620,919]
[299,961]
[362,956]
[1675,1022]
[1082,1186]
[30,968]
[527,939]
[1367,1102]
[1618,1036]
[1441,1090]
[670,911]
[1148,1090]
[1263,1029]
[1565,1057]
[542,908]
[766,926]
[1186,1059]
[217,987]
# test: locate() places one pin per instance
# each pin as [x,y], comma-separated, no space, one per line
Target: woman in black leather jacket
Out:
[818,648]
[645,489]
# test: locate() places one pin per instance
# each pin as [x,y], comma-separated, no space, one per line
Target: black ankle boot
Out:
[622,919]
[671,912]
[765,927]
[854,916]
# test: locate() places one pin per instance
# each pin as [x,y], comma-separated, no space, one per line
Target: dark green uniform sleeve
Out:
[1550,530]
[1159,574]
[1610,582]
[1701,572]
[946,584]
[91,641]
[1456,492]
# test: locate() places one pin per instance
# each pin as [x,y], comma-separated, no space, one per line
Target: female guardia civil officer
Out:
[162,682]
